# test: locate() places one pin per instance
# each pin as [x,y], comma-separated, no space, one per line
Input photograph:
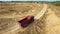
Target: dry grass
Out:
[13,9]
[17,8]
[7,9]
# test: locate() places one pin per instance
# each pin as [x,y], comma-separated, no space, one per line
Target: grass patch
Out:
[12,10]
[57,3]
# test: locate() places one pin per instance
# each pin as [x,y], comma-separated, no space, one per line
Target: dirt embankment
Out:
[53,20]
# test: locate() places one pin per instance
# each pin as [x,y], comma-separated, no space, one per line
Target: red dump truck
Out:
[26,21]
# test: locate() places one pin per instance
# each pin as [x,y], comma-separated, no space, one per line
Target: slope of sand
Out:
[52,21]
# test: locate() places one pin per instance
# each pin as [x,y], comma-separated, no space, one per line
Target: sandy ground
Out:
[53,21]
[48,24]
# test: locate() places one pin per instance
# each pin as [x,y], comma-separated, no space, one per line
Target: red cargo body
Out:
[26,21]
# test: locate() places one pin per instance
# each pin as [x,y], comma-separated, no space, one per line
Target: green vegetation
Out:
[57,3]
[12,10]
